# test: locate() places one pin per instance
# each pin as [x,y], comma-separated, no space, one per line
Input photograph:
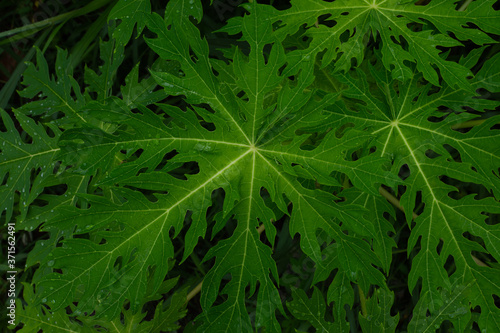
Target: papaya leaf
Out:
[281,162]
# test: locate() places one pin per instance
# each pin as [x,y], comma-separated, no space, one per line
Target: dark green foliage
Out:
[284,157]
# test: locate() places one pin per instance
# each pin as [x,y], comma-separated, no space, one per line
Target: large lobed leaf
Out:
[259,127]
[243,155]
[392,22]
[19,158]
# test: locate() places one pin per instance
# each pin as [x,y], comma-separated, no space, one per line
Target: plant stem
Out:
[194,292]
[478,262]
[468,124]
[464,5]
[399,251]
[94,5]
[393,200]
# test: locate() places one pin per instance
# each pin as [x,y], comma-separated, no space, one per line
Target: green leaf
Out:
[225,157]
[379,317]
[131,13]
[398,27]
[53,94]
[140,93]
[455,309]
[293,148]
[102,83]
[76,184]
[19,158]
[310,309]
[40,318]
[428,148]
[36,318]
[377,208]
